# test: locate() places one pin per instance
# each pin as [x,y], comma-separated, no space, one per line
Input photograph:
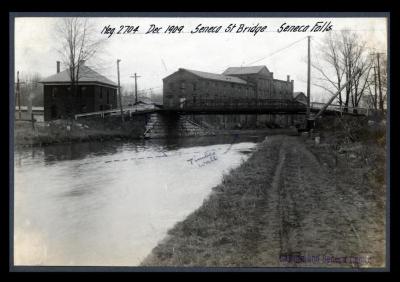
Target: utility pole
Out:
[379,83]
[308,77]
[18,96]
[135,76]
[119,92]
[375,91]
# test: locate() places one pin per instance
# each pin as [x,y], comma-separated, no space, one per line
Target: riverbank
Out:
[61,132]
[70,131]
[293,203]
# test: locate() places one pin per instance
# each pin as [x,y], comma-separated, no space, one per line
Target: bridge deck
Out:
[238,106]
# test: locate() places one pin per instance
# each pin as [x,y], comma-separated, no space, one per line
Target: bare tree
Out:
[78,43]
[382,78]
[372,99]
[340,55]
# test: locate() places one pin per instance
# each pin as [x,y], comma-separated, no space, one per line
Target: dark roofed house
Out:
[300,97]
[95,92]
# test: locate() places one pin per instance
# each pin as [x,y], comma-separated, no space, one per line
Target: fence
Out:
[117,112]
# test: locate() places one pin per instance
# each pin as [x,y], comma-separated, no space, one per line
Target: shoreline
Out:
[29,138]
[260,216]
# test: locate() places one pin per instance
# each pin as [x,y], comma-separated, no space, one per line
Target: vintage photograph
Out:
[229,141]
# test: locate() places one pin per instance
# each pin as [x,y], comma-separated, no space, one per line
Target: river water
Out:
[110,203]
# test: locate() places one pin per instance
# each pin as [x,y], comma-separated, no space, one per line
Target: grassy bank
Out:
[292,197]
[63,131]
[222,231]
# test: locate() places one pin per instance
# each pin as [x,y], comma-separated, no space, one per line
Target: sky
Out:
[154,56]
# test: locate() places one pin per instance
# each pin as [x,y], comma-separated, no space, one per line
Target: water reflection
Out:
[110,203]
[77,151]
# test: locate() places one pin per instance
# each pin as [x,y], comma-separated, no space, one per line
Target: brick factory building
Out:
[95,93]
[248,83]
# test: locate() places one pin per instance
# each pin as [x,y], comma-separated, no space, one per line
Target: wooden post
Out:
[29,105]
[18,96]
[135,77]
[119,92]
[135,88]
[33,121]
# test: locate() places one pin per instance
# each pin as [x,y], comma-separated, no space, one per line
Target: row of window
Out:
[105,91]
[194,86]
[182,85]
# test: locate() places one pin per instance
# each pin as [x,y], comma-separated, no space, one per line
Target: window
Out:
[182,86]
[171,86]
[108,96]
[54,91]
[194,87]
[83,88]
[101,92]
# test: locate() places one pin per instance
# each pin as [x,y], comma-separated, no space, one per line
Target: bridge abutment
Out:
[168,125]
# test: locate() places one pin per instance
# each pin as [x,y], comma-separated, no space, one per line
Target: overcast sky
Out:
[154,56]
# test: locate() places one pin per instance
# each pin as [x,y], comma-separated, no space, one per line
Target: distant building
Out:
[37,113]
[252,83]
[300,97]
[95,93]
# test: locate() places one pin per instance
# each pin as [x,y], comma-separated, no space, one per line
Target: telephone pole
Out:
[135,76]
[375,91]
[308,77]
[119,92]
[18,96]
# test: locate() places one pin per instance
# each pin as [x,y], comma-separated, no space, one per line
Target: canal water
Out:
[110,203]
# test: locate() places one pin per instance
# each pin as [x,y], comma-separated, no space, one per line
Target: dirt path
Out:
[281,208]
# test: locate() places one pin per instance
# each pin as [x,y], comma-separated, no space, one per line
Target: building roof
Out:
[86,75]
[244,70]
[215,76]
[295,94]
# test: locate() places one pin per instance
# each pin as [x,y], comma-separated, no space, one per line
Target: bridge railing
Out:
[237,104]
[342,109]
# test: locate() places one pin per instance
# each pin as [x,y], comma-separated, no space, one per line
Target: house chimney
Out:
[58,66]
[288,78]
